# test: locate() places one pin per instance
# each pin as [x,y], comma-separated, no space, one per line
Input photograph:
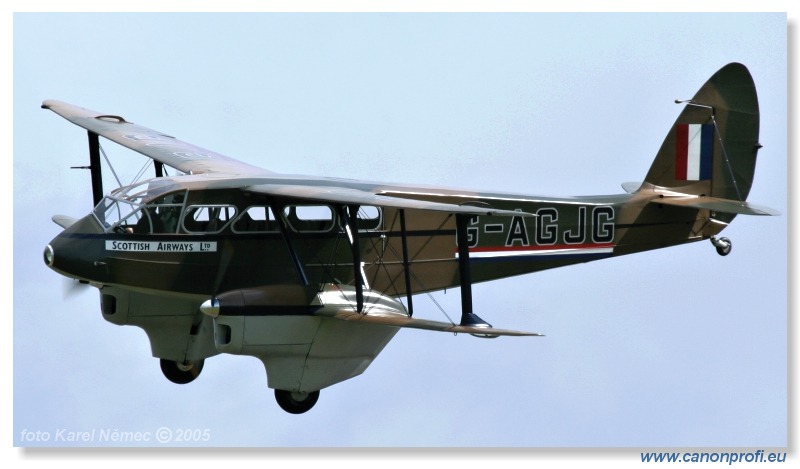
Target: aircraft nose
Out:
[78,251]
[74,259]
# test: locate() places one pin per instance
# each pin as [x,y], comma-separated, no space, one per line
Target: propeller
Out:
[72,287]
[224,262]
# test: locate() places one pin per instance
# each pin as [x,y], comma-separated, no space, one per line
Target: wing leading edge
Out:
[161,147]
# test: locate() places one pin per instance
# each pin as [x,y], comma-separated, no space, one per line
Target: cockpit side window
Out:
[111,211]
[160,215]
[164,213]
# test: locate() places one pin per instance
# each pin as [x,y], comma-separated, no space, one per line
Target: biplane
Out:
[315,275]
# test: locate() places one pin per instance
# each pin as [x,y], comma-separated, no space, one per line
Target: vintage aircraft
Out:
[315,275]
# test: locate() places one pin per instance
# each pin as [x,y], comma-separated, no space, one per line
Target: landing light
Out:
[48,255]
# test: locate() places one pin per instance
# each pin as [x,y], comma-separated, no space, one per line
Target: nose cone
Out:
[49,256]
[60,257]
[210,307]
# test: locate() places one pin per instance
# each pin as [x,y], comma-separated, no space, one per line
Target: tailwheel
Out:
[296,402]
[723,245]
[181,373]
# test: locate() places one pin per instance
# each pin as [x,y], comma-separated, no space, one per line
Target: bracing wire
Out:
[103,152]
[418,280]
[727,161]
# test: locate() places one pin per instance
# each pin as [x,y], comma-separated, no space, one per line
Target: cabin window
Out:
[369,218]
[256,219]
[310,218]
[165,212]
[208,218]
[158,216]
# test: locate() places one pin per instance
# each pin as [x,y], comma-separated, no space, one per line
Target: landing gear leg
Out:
[181,373]
[723,245]
[296,402]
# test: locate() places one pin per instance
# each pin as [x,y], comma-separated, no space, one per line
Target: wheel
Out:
[296,402]
[724,246]
[181,373]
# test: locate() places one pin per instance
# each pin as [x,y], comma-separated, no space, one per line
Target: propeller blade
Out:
[73,287]
[224,262]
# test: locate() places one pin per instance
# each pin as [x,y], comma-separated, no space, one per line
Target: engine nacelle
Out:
[289,328]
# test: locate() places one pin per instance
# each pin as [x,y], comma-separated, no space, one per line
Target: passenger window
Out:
[256,219]
[369,218]
[208,218]
[310,218]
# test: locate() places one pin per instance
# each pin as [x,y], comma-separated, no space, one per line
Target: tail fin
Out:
[703,171]
[711,149]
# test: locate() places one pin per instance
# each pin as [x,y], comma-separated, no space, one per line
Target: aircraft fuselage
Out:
[197,240]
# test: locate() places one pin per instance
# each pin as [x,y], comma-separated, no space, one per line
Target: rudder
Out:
[711,149]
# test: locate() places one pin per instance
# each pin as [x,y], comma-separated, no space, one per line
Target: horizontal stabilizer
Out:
[631,187]
[398,320]
[716,204]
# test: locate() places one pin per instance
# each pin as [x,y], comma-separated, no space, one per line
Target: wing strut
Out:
[406,263]
[349,214]
[468,318]
[94,167]
[298,266]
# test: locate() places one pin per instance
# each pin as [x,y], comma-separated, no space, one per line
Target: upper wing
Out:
[192,159]
[166,149]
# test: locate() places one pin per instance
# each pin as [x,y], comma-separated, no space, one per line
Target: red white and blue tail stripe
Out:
[694,148]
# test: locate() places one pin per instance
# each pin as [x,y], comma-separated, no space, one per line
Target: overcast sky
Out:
[671,348]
